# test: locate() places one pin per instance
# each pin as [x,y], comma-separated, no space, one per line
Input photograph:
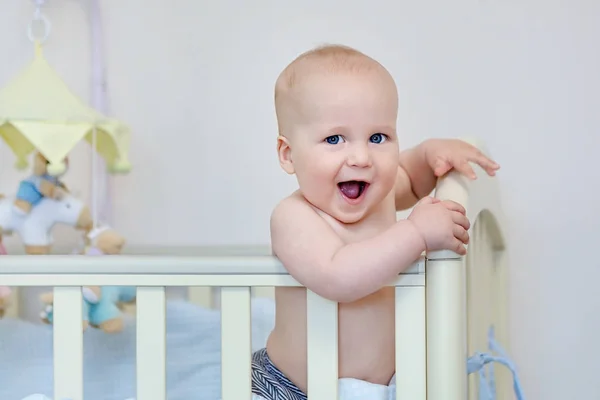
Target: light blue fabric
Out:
[193,355]
[29,192]
[29,188]
[487,384]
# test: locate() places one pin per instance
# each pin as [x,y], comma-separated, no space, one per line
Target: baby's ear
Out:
[284,152]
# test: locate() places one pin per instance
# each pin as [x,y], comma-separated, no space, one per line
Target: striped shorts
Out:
[269,383]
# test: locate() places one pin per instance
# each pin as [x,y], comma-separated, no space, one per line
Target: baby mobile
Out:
[39,115]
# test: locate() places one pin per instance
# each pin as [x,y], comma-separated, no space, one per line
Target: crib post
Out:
[411,346]
[151,340]
[446,329]
[236,343]
[322,347]
[68,343]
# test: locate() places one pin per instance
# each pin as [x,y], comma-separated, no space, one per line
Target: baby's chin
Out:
[337,211]
[349,217]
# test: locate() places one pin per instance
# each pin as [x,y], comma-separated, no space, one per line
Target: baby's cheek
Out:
[387,175]
[311,168]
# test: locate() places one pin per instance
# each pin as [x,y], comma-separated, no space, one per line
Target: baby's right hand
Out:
[442,224]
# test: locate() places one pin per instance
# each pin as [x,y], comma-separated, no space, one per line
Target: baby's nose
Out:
[359,157]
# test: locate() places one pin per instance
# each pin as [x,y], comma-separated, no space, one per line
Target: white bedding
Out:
[193,355]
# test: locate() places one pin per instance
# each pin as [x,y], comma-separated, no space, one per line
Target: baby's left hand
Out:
[444,154]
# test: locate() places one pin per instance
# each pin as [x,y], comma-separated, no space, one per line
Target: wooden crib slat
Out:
[68,343]
[322,342]
[151,357]
[477,315]
[446,330]
[236,343]
[411,346]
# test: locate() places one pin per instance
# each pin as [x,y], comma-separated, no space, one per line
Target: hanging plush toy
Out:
[103,241]
[43,183]
[102,305]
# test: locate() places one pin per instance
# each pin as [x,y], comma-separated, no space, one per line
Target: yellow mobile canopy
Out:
[38,111]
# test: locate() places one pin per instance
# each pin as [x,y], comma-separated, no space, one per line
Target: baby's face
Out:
[343,142]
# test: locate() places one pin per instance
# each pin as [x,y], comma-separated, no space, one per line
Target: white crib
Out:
[444,306]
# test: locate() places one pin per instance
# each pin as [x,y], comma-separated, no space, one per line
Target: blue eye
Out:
[335,139]
[377,138]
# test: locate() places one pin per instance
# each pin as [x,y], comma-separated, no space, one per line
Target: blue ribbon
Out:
[478,363]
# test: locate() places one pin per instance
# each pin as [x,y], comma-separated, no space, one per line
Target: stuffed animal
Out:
[43,183]
[103,241]
[101,305]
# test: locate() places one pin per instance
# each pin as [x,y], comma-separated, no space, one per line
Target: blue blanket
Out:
[193,355]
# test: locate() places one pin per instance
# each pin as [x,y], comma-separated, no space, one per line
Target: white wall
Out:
[195,83]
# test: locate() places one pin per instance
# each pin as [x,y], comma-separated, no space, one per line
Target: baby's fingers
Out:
[465,168]
[489,165]
[461,234]
[454,206]
[458,247]
[461,219]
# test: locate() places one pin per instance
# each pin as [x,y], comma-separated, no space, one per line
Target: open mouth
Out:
[353,190]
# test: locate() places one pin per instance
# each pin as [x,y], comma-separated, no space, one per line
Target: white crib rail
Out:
[235,276]
[431,310]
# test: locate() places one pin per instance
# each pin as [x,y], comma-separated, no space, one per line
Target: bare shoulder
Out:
[300,237]
[289,209]
[295,217]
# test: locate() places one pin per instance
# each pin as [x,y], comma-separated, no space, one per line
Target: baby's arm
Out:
[410,190]
[420,167]
[317,258]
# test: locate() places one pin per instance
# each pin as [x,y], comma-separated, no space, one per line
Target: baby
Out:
[338,234]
